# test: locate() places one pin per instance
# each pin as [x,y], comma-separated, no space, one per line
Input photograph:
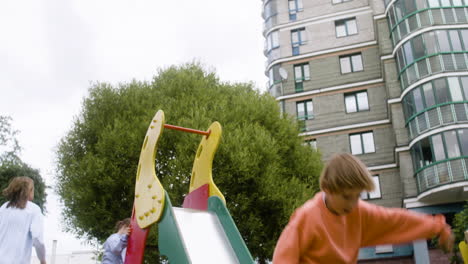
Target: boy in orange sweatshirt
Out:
[332,226]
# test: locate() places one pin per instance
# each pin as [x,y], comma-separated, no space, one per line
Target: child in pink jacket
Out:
[332,226]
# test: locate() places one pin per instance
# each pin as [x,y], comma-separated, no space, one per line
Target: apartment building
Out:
[385,80]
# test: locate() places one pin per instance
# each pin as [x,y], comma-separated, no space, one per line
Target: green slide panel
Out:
[216,205]
[170,242]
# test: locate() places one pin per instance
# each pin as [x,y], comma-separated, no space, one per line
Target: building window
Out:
[273,74]
[444,41]
[381,249]
[429,44]
[455,40]
[464,35]
[301,74]
[295,6]
[305,110]
[346,27]
[298,38]
[362,143]
[281,107]
[440,147]
[271,78]
[438,91]
[356,102]
[312,143]
[270,10]
[434,3]
[451,143]
[339,1]
[351,63]
[273,40]
[375,194]
[463,136]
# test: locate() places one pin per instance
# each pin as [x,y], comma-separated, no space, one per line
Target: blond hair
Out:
[17,192]
[345,172]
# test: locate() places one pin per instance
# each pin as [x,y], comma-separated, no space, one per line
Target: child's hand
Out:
[127,231]
[446,241]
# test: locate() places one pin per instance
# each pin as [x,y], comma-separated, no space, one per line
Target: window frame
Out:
[270,41]
[299,85]
[355,95]
[382,249]
[365,195]
[299,7]
[312,143]
[344,23]
[449,147]
[437,39]
[340,2]
[306,116]
[362,145]
[463,150]
[350,60]
[433,92]
[435,143]
[295,45]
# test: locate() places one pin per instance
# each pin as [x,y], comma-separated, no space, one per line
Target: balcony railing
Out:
[442,173]
[436,116]
[270,22]
[276,89]
[273,55]
[426,18]
[432,64]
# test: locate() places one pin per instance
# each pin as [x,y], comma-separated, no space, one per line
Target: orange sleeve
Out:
[393,226]
[292,241]
[287,248]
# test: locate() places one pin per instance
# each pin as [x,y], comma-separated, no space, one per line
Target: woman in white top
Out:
[21,224]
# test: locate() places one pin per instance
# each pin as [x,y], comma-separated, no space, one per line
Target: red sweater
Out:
[315,235]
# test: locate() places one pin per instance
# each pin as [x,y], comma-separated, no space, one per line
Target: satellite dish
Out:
[283,73]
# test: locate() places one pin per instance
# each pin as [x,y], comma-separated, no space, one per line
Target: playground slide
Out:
[464,251]
[202,231]
[204,237]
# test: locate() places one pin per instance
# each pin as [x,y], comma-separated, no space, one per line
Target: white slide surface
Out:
[204,237]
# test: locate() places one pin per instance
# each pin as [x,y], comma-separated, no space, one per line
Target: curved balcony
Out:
[387,2]
[273,55]
[424,18]
[436,116]
[270,15]
[433,64]
[276,89]
[270,22]
[443,180]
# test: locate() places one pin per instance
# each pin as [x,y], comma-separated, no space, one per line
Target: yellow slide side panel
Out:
[149,193]
[201,171]
[464,251]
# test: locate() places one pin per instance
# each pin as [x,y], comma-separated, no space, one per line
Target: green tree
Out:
[10,170]
[11,165]
[9,147]
[460,225]
[261,166]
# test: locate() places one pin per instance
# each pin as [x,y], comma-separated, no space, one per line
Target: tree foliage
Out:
[13,169]
[460,225]
[12,166]
[9,147]
[261,165]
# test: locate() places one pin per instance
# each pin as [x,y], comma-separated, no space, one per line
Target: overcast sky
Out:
[50,51]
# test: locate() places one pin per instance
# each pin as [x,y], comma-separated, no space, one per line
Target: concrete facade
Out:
[383,54]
